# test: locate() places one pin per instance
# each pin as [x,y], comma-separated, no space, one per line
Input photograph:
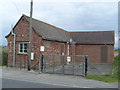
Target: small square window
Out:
[23,48]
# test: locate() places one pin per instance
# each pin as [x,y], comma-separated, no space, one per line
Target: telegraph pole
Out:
[30,36]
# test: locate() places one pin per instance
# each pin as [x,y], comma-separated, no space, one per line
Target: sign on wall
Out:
[42,48]
[68,59]
[32,56]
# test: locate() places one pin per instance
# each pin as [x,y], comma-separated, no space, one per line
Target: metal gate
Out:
[64,64]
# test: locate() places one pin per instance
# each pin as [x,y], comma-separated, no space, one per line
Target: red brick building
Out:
[98,45]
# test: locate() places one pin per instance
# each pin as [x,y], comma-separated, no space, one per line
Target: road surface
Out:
[9,83]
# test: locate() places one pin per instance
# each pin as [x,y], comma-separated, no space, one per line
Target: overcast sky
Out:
[77,15]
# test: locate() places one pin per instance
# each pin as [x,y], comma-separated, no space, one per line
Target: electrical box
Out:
[42,48]
[32,56]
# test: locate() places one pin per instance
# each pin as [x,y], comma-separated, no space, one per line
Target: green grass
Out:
[105,78]
[114,77]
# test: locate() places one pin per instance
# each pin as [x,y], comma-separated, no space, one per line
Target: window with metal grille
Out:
[23,48]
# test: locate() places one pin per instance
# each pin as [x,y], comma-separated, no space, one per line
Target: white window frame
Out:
[23,48]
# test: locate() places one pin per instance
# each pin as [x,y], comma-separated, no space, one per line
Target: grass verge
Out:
[105,78]
[114,77]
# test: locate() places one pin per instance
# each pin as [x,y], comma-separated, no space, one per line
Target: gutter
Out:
[14,48]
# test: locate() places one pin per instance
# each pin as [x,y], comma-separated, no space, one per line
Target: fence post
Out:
[86,65]
[42,62]
[63,69]
[53,63]
[73,59]
[39,64]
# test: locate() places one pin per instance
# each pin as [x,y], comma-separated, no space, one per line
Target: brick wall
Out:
[51,47]
[22,35]
[10,50]
[94,52]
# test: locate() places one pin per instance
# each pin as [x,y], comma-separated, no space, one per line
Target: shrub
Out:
[4,56]
[116,65]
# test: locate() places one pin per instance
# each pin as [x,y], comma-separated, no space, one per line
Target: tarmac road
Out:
[10,83]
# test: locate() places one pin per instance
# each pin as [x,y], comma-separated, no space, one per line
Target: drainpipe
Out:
[68,52]
[69,43]
[14,48]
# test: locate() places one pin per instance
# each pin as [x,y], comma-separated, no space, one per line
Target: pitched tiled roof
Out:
[50,32]
[96,37]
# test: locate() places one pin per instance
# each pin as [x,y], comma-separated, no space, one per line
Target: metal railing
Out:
[64,64]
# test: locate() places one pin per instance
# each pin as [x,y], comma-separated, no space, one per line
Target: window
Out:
[23,48]
[47,44]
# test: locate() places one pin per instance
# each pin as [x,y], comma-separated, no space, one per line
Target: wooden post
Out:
[30,37]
